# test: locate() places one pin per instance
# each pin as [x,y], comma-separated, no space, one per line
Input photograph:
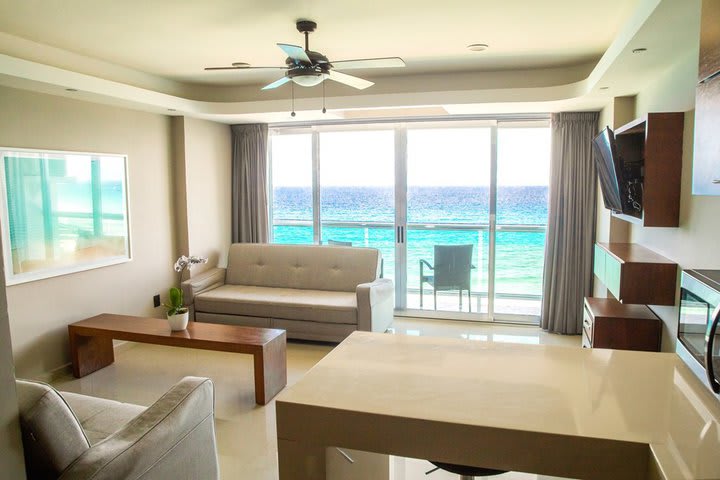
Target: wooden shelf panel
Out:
[634,274]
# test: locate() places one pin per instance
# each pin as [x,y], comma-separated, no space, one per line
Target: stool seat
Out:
[467,470]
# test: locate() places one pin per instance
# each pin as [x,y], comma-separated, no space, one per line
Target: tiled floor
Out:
[246,432]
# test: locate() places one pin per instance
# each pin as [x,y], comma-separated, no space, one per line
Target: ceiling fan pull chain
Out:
[323,84]
[292,96]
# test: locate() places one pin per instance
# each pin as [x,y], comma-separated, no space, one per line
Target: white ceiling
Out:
[150,54]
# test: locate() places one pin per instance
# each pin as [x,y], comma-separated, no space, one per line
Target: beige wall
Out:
[40,311]
[207,154]
[11,454]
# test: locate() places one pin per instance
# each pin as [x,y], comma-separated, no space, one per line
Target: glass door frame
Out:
[400,128]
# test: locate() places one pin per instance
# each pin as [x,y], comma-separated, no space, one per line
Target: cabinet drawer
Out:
[586,343]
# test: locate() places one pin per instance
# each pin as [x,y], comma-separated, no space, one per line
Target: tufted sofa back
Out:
[310,267]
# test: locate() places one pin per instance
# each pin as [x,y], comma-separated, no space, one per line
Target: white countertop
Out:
[649,398]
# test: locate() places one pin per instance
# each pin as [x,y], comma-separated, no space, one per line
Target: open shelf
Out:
[654,142]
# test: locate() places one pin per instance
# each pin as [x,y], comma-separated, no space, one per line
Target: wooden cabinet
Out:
[706,153]
[634,274]
[608,323]
[654,142]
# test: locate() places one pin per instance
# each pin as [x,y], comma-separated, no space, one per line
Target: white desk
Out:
[568,412]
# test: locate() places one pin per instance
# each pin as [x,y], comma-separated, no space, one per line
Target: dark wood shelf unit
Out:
[635,274]
[608,323]
[655,142]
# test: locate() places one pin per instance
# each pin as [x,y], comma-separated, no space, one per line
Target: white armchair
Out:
[70,436]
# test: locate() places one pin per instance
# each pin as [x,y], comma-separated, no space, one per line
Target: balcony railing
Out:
[381,235]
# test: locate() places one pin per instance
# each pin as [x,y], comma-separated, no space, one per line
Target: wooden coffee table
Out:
[91,345]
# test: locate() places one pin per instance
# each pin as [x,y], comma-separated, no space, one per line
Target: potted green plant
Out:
[177,313]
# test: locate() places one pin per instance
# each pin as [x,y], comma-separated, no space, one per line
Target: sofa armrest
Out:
[376,304]
[173,438]
[207,280]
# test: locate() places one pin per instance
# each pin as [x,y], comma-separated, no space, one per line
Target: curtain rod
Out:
[452,118]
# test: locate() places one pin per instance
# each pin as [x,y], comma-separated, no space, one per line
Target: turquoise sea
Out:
[519,254]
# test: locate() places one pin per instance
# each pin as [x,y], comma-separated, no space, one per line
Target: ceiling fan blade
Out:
[245,68]
[349,80]
[296,53]
[386,62]
[276,83]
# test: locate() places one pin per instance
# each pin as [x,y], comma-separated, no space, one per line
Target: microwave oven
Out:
[698,340]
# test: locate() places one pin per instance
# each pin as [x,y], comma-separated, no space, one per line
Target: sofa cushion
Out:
[311,267]
[288,303]
[100,417]
[52,435]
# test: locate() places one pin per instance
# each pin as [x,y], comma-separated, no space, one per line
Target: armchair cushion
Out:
[100,417]
[52,435]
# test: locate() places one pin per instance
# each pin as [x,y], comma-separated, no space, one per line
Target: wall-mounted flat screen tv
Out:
[609,170]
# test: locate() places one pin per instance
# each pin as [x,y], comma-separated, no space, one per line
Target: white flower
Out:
[184,262]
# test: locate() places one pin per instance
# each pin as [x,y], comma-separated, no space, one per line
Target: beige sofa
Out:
[313,292]
[69,436]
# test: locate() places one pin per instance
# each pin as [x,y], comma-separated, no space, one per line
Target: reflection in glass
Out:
[64,211]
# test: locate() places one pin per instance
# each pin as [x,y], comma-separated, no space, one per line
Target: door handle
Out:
[709,341]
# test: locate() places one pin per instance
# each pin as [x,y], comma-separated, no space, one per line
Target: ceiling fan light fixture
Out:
[309,80]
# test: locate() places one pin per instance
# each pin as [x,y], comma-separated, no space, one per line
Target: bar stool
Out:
[465,472]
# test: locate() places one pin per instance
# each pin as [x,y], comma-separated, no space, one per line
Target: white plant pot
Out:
[178,321]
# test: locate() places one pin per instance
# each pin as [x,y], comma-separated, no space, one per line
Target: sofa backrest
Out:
[310,267]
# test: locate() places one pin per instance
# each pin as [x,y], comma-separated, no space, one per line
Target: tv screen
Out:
[608,164]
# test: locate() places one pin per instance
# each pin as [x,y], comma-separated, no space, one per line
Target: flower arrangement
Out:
[176,303]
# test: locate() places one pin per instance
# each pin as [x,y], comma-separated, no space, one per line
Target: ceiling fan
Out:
[307,68]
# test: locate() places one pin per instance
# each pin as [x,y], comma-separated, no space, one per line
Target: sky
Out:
[436,157]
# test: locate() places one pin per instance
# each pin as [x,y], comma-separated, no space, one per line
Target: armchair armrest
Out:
[207,280]
[173,438]
[375,304]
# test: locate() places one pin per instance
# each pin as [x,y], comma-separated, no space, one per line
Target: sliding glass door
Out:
[448,214]
[458,209]
[523,174]
[357,178]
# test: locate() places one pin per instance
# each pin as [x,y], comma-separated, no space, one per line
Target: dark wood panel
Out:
[655,141]
[608,307]
[663,169]
[645,276]
[709,39]
[633,252]
[648,283]
[622,326]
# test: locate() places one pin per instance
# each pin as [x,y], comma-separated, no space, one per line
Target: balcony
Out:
[509,287]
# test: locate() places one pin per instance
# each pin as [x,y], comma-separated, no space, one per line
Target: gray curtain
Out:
[571,222]
[249,183]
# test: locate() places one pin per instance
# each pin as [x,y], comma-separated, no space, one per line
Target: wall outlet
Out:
[156,300]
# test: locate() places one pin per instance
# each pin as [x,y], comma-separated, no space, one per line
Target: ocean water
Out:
[519,255]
